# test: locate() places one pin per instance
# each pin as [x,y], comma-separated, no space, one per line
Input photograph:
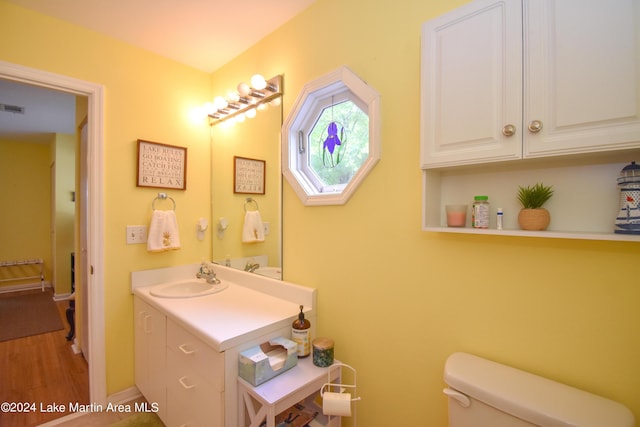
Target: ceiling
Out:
[31,114]
[204,34]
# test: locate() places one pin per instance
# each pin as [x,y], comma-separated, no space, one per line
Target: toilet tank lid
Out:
[533,398]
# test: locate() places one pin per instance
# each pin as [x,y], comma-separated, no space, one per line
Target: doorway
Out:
[92,255]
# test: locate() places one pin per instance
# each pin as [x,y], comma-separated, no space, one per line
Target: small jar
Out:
[323,352]
[480,212]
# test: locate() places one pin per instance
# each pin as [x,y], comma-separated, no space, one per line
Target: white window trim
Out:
[314,93]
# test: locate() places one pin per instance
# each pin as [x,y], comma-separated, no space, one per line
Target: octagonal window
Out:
[331,138]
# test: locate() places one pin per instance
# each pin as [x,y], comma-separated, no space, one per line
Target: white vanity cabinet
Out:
[513,79]
[193,362]
[150,353]
[195,380]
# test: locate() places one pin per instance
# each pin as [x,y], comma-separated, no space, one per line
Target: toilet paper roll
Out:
[336,404]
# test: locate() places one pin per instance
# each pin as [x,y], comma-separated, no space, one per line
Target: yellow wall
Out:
[397,300]
[146,97]
[25,215]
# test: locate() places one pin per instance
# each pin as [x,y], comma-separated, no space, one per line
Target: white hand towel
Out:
[253,230]
[163,232]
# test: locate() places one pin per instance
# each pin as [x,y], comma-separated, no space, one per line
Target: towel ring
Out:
[249,200]
[163,196]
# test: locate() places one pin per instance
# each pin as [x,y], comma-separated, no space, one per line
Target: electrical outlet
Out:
[136,234]
[266,228]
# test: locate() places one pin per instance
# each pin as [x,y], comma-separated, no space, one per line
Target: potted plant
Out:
[533,216]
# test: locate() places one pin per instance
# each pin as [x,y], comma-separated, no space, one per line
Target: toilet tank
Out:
[483,393]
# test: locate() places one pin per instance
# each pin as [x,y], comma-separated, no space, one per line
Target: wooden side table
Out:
[261,404]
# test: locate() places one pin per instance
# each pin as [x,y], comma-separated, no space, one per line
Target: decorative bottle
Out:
[301,334]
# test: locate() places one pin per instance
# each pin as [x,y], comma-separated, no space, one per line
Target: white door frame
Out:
[95,93]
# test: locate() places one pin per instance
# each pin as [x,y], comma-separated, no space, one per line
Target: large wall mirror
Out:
[256,139]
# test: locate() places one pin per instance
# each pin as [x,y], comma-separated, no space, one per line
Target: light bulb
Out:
[209,108]
[233,96]
[244,89]
[220,103]
[239,118]
[258,82]
[275,102]
[250,113]
[229,122]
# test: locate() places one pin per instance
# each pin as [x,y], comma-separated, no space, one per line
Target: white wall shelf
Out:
[584,205]
[543,234]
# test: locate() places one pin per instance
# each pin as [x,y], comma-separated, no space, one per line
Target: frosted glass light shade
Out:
[258,82]
[244,89]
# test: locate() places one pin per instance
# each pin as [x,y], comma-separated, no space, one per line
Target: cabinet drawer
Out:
[192,401]
[194,353]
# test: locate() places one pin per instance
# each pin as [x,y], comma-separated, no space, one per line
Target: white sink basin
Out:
[273,272]
[187,289]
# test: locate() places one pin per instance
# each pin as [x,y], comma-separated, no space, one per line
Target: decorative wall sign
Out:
[248,175]
[161,165]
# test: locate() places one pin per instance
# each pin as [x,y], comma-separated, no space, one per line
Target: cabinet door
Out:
[582,76]
[471,77]
[150,353]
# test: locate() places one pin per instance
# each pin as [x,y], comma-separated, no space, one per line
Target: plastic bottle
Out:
[480,212]
[499,216]
[301,334]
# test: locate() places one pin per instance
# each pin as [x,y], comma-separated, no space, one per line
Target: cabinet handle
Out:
[185,349]
[535,126]
[145,323]
[184,384]
[508,130]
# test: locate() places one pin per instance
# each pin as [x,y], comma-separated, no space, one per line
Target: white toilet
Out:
[483,393]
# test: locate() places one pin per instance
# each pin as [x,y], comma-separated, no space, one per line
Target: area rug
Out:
[26,315]
[140,420]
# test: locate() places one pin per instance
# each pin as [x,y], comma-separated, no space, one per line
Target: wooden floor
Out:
[40,371]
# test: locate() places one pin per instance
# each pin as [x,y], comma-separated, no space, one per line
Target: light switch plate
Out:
[136,234]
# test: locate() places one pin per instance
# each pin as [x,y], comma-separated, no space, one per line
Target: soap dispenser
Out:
[301,334]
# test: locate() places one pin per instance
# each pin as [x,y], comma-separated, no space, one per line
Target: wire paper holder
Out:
[341,387]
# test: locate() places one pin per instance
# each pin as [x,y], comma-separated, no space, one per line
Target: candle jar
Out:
[456,215]
[323,352]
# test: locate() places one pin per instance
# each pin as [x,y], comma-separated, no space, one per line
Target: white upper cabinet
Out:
[512,79]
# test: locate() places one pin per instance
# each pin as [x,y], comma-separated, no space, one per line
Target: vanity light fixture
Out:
[247,100]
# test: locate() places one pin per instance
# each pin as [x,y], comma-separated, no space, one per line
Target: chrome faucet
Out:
[251,267]
[206,272]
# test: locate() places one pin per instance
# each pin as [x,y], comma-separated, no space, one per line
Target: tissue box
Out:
[267,360]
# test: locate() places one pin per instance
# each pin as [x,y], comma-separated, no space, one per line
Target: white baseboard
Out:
[61,297]
[125,395]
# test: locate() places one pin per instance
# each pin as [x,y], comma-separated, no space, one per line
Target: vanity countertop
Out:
[250,307]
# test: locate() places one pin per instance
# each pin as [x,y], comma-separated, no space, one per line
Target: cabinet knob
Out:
[535,126]
[508,130]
